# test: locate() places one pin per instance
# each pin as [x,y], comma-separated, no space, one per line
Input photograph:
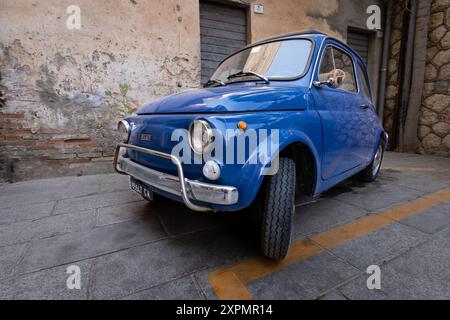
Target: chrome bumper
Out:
[187,189]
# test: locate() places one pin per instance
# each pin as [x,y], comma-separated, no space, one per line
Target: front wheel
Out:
[277,211]
[370,173]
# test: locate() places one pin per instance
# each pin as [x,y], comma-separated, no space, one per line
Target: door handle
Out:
[364,106]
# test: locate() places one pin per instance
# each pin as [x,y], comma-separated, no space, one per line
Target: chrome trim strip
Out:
[187,189]
[317,60]
[386,139]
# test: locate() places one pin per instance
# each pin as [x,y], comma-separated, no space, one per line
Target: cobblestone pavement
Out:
[127,248]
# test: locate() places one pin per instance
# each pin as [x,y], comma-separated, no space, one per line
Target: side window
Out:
[326,65]
[365,89]
[338,66]
[344,72]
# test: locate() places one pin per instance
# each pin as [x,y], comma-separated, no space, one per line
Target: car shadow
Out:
[242,226]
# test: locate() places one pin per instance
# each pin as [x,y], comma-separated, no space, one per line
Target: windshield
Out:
[276,60]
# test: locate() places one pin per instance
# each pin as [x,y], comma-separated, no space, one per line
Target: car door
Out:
[368,118]
[339,110]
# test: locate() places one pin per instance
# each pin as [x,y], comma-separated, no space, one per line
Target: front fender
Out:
[293,127]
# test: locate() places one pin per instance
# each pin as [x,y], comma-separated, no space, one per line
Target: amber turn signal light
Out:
[242,125]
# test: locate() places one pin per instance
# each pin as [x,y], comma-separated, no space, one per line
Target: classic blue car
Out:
[306,91]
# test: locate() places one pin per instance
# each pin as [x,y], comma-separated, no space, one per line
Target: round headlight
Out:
[200,136]
[124,130]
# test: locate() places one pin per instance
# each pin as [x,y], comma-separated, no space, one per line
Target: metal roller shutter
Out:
[223,30]
[359,41]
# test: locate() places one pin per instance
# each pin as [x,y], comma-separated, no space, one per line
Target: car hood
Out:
[231,98]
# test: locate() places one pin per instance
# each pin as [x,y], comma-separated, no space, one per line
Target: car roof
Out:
[312,33]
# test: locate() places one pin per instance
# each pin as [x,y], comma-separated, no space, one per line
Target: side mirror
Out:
[331,83]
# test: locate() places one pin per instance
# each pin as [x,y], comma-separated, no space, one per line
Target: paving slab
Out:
[137,210]
[26,212]
[113,182]
[9,257]
[96,201]
[46,227]
[75,246]
[177,220]
[39,191]
[49,284]
[380,245]
[167,260]
[375,196]
[421,273]
[303,280]
[431,221]
[445,234]
[332,295]
[324,215]
[180,289]
[425,181]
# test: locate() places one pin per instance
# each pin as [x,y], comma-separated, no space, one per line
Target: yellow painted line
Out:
[229,282]
[348,232]
[228,286]
[417,169]
[419,205]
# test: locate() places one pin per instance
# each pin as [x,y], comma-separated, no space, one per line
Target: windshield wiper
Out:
[214,81]
[246,74]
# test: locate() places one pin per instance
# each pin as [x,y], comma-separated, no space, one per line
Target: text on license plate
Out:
[142,189]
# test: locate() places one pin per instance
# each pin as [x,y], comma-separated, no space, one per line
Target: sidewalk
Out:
[128,248]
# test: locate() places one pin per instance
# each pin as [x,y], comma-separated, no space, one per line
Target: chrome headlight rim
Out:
[206,129]
[125,127]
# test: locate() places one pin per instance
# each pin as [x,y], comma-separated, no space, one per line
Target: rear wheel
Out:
[370,173]
[277,211]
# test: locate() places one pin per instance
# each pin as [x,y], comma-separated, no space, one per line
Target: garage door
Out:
[359,41]
[223,30]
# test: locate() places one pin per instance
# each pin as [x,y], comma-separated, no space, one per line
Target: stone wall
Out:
[434,121]
[434,118]
[393,77]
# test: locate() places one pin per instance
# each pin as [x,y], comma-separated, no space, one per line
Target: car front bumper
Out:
[188,190]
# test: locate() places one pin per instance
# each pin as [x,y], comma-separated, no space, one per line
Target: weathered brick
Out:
[108,153]
[89,155]
[63,156]
[103,159]
[11,116]
[17,132]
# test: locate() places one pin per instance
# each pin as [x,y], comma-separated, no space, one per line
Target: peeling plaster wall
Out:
[63,91]
[332,17]
[292,15]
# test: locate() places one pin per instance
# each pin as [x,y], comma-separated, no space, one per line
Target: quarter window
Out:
[365,89]
[338,65]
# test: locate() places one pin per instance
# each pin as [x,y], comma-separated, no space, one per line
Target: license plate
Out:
[142,189]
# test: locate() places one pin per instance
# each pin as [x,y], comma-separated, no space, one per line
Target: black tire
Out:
[277,211]
[370,173]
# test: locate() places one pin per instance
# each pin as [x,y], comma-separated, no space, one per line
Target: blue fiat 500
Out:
[285,117]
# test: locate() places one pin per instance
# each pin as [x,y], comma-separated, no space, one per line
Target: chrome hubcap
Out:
[377,160]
